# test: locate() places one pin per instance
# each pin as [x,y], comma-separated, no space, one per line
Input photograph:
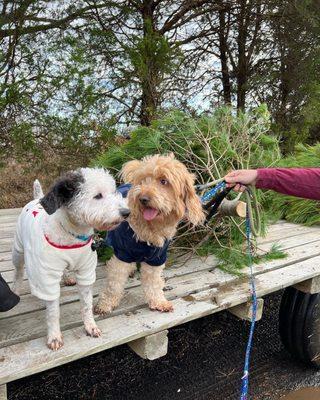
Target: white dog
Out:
[55,233]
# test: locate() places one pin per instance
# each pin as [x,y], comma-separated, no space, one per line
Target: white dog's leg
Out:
[152,284]
[68,278]
[18,262]
[117,273]
[90,325]
[54,333]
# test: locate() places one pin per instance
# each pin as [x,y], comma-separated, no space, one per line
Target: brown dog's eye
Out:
[163,182]
[98,196]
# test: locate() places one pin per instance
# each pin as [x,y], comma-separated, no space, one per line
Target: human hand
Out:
[237,179]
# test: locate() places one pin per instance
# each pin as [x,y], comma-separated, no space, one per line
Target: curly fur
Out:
[169,188]
[77,203]
[174,201]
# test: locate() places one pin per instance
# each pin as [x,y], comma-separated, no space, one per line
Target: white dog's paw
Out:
[92,330]
[162,305]
[55,342]
[16,288]
[69,281]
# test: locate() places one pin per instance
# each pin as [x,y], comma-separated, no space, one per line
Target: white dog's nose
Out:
[124,212]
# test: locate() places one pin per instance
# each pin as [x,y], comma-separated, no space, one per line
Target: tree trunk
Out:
[149,96]
[223,46]
[242,59]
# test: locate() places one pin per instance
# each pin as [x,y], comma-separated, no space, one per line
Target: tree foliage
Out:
[210,146]
[74,76]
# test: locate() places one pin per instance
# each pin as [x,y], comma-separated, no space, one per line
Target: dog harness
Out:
[128,248]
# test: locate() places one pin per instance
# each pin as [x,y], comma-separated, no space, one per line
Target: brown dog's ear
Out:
[193,204]
[128,170]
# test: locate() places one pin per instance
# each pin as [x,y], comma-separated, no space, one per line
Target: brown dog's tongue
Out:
[150,213]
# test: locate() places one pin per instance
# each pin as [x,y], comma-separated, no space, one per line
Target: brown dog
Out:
[161,195]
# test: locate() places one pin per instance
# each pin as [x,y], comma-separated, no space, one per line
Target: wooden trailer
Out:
[197,288]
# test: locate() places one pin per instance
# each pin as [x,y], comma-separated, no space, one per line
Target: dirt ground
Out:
[204,362]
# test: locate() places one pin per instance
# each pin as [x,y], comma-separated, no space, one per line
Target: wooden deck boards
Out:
[197,288]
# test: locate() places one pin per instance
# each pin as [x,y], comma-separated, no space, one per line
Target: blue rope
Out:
[245,378]
[212,192]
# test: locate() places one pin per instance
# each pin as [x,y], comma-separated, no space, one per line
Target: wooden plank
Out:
[5,256]
[6,241]
[8,220]
[244,311]
[69,294]
[288,243]
[311,286]
[10,211]
[6,234]
[151,347]
[32,357]
[192,265]
[283,232]
[5,249]
[23,327]
[9,225]
[15,210]
[6,266]
[3,392]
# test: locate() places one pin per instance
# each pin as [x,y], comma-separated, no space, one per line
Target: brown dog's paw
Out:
[55,342]
[104,309]
[163,306]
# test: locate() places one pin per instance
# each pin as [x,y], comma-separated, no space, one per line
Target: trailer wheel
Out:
[286,313]
[299,325]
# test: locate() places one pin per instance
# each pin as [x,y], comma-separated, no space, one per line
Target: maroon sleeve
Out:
[299,182]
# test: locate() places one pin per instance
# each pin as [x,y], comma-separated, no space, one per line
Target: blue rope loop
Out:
[245,377]
[212,192]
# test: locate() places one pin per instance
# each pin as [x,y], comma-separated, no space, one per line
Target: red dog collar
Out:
[66,247]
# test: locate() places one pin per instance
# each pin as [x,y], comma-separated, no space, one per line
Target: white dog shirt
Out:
[45,261]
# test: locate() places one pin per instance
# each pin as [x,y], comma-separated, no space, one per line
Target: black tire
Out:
[299,325]
[286,313]
[311,332]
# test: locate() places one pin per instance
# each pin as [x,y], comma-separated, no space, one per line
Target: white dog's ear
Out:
[62,192]
[193,204]
[128,170]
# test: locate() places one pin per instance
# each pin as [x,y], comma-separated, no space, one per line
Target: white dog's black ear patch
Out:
[62,192]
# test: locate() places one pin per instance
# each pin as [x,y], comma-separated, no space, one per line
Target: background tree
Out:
[73,76]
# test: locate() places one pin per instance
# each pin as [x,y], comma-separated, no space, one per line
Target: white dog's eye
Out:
[163,182]
[98,196]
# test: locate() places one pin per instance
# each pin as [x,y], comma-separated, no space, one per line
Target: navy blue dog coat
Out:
[128,248]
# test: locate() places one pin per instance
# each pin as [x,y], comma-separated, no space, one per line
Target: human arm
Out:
[299,182]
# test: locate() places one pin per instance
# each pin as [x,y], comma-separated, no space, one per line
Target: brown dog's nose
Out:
[144,200]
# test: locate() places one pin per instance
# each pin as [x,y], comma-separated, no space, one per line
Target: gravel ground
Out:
[204,362]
